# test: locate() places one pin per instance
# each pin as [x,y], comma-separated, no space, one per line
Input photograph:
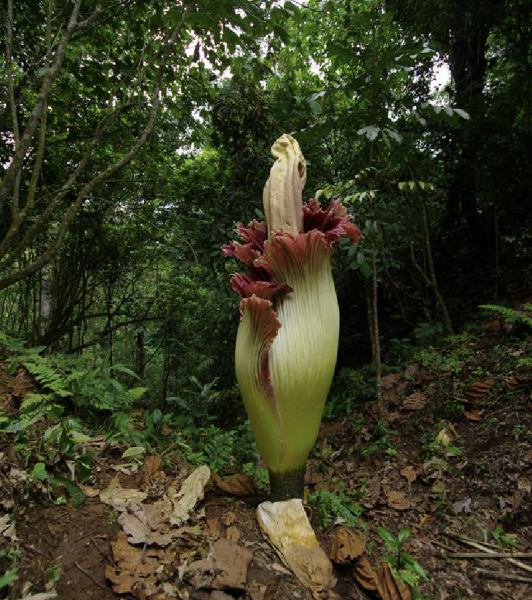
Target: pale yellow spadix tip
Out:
[283,192]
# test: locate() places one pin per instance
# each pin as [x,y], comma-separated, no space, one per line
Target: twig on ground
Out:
[495,575]
[478,546]
[87,574]
[490,555]
[98,548]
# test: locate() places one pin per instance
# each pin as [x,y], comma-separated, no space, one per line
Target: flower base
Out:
[287,485]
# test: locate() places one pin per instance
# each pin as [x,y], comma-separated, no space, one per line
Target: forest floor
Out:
[451,462]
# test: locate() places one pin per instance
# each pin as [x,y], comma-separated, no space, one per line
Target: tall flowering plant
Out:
[287,341]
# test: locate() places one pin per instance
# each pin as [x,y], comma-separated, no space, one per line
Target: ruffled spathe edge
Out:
[264,279]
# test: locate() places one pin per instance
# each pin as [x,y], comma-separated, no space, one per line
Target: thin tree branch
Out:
[46,256]
[22,147]
[43,217]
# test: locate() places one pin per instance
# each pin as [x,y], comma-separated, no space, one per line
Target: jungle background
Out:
[134,137]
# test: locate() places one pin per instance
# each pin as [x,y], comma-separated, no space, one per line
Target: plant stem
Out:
[287,485]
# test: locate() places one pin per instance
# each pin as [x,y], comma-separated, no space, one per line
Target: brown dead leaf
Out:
[397,500]
[225,568]
[473,415]
[392,387]
[241,486]
[409,473]
[494,325]
[117,496]
[233,533]
[214,528]
[89,491]
[134,571]
[7,528]
[347,545]
[478,391]
[416,401]
[219,595]
[228,518]
[144,524]
[527,456]
[524,485]
[152,465]
[426,519]
[190,493]
[364,574]
[388,586]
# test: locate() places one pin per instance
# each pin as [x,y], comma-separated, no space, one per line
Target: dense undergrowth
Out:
[57,402]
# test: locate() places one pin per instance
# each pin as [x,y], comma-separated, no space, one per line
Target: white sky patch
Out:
[442,78]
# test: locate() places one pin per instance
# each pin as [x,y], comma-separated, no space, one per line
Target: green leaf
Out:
[135,393]
[134,452]
[78,437]
[39,471]
[126,370]
[8,578]
[76,494]
[315,106]
[403,535]
[388,538]
[282,34]
[157,417]
[413,565]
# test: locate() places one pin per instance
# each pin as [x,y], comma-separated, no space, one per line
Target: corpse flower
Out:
[287,341]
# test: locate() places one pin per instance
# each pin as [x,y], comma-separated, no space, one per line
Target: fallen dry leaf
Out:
[347,545]
[224,569]
[380,580]
[364,575]
[473,415]
[233,533]
[463,506]
[214,528]
[478,391]
[388,586]
[228,518]
[152,465]
[190,493]
[416,401]
[219,595]
[392,387]
[89,491]
[241,486]
[397,500]
[409,473]
[524,484]
[134,571]
[117,496]
[144,524]
[426,519]
[7,528]
[287,526]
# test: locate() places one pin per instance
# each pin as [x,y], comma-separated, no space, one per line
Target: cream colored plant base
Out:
[287,527]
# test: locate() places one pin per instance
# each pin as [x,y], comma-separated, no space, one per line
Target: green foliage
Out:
[502,539]
[405,566]
[335,507]
[512,315]
[66,379]
[8,578]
